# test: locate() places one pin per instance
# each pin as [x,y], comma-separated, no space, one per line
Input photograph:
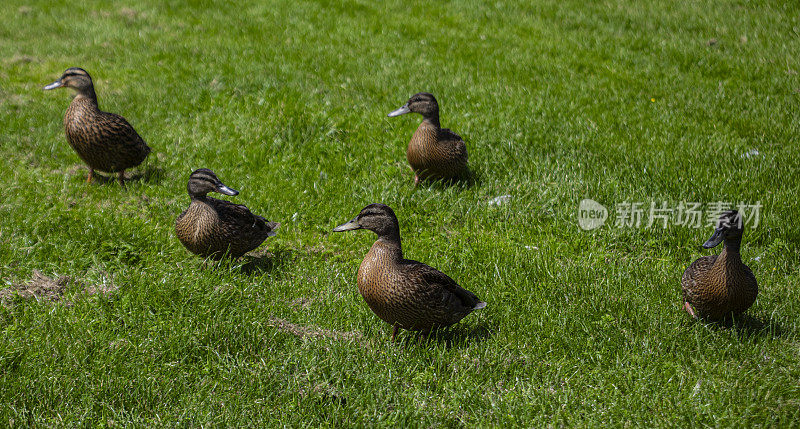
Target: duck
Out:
[104,141]
[404,293]
[434,152]
[716,287]
[217,228]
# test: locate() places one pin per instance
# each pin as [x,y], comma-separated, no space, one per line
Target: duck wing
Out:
[459,147]
[238,217]
[115,128]
[440,287]
[446,134]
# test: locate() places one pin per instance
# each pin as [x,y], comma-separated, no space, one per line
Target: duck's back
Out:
[435,152]
[410,294]
[213,227]
[105,141]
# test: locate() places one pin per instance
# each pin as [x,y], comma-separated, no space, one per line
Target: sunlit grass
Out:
[287,102]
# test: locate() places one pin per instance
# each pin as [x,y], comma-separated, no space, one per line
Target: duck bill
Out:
[349,226]
[401,111]
[715,239]
[222,189]
[54,85]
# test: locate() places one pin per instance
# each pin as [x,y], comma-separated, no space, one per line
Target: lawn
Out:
[106,319]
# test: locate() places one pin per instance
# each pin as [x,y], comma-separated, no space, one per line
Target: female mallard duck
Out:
[718,286]
[433,152]
[215,228]
[404,293]
[104,141]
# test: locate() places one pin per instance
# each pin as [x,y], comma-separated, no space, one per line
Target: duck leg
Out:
[689,309]
[91,175]
[121,178]
[394,332]
[416,180]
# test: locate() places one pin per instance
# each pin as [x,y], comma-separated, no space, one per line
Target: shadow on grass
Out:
[452,337]
[267,262]
[468,180]
[747,326]
[151,174]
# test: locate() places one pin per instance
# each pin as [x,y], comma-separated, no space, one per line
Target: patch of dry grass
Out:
[43,288]
[313,331]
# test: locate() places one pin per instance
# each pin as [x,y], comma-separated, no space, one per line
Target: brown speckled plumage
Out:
[404,293]
[718,286]
[433,152]
[212,227]
[104,141]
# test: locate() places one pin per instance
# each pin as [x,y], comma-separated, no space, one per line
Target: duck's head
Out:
[203,181]
[378,218]
[729,227]
[423,103]
[75,78]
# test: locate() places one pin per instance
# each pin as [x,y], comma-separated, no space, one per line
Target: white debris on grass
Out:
[502,199]
[752,153]
[697,387]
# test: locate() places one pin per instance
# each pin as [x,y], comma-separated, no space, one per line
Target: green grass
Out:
[287,102]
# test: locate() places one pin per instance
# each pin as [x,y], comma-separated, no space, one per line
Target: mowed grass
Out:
[558,101]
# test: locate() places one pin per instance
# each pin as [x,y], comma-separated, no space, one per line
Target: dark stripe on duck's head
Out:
[422,97]
[378,218]
[377,209]
[75,71]
[423,103]
[730,225]
[203,181]
[73,77]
